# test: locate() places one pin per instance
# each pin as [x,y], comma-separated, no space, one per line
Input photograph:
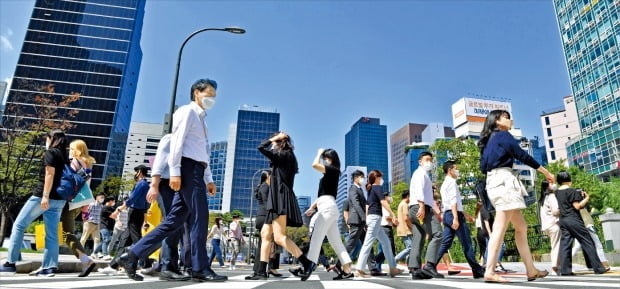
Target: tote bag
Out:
[82,198]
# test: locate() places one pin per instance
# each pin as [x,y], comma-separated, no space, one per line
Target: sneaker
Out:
[108,271]
[87,268]
[49,272]
[106,258]
[234,267]
[35,272]
[8,269]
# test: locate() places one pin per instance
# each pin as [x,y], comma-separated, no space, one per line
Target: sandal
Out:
[496,279]
[362,274]
[539,274]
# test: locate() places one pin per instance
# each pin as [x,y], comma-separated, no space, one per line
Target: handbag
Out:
[83,197]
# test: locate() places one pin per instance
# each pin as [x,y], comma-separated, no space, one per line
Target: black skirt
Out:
[283,202]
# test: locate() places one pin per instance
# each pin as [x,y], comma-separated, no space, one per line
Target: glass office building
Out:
[217,163]
[254,124]
[590,32]
[366,146]
[90,48]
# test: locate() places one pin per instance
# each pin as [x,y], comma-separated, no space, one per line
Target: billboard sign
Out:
[475,110]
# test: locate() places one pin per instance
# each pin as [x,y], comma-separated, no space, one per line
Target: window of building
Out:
[547,122]
[548,131]
[567,126]
[553,156]
[550,143]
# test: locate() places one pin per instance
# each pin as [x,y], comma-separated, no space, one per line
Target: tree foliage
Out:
[113,186]
[22,132]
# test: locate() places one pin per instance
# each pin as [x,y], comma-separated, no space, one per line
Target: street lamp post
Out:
[251,234]
[173,99]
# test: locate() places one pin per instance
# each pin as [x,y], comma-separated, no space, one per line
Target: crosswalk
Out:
[322,280]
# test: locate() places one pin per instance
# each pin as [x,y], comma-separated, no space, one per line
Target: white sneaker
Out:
[108,271]
[106,258]
[234,267]
[230,268]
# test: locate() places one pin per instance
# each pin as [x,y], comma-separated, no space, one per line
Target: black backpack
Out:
[481,192]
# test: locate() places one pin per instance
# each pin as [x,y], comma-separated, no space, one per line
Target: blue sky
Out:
[324,64]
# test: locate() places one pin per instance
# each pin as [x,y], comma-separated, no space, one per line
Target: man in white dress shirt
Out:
[423,220]
[190,178]
[454,219]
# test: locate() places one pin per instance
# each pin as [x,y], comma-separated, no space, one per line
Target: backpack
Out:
[72,181]
[481,192]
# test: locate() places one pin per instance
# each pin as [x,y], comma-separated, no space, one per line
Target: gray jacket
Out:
[357,206]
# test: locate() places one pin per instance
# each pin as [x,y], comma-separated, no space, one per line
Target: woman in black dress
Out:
[261,195]
[281,205]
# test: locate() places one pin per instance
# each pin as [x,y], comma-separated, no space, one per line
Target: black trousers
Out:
[131,235]
[572,228]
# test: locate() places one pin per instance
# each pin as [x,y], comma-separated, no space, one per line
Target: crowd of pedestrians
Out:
[427,219]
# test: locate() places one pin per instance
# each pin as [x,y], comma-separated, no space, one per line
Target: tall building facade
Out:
[407,135]
[560,125]
[141,146]
[344,183]
[590,33]
[366,146]
[3,87]
[412,153]
[86,48]
[217,164]
[244,161]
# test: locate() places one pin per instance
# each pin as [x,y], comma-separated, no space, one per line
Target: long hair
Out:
[332,155]
[80,151]
[490,126]
[285,144]
[544,191]
[372,177]
[58,140]
[217,221]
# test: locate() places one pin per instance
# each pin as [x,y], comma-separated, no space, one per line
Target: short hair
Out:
[235,216]
[405,194]
[142,169]
[109,199]
[448,165]
[423,154]
[100,194]
[563,177]
[202,84]
[357,173]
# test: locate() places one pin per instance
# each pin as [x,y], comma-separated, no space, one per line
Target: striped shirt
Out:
[94,212]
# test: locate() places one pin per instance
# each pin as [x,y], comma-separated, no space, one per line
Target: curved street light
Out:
[234,30]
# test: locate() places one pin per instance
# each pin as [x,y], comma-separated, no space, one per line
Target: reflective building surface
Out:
[217,163]
[244,161]
[590,32]
[366,146]
[90,49]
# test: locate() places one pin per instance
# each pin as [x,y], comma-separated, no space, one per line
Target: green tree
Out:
[112,186]
[22,132]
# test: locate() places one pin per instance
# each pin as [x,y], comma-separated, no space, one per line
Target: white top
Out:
[421,188]
[216,233]
[549,212]
[386,214]
[189,139]
[450,195]
[160,162]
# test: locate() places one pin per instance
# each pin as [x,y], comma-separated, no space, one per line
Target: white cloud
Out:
[6,43]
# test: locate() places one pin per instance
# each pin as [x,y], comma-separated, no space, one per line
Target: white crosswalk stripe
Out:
[239,282]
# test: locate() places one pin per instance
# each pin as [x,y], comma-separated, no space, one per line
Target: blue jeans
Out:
[375,232]
[106,237]
[408,240]
[51,217]
[216,251]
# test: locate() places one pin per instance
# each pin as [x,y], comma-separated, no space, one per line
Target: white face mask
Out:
[456,173]
[208,102]
[381,182]
[327,162]
[427,166]
[362,180]
[47,145]
[553,187]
